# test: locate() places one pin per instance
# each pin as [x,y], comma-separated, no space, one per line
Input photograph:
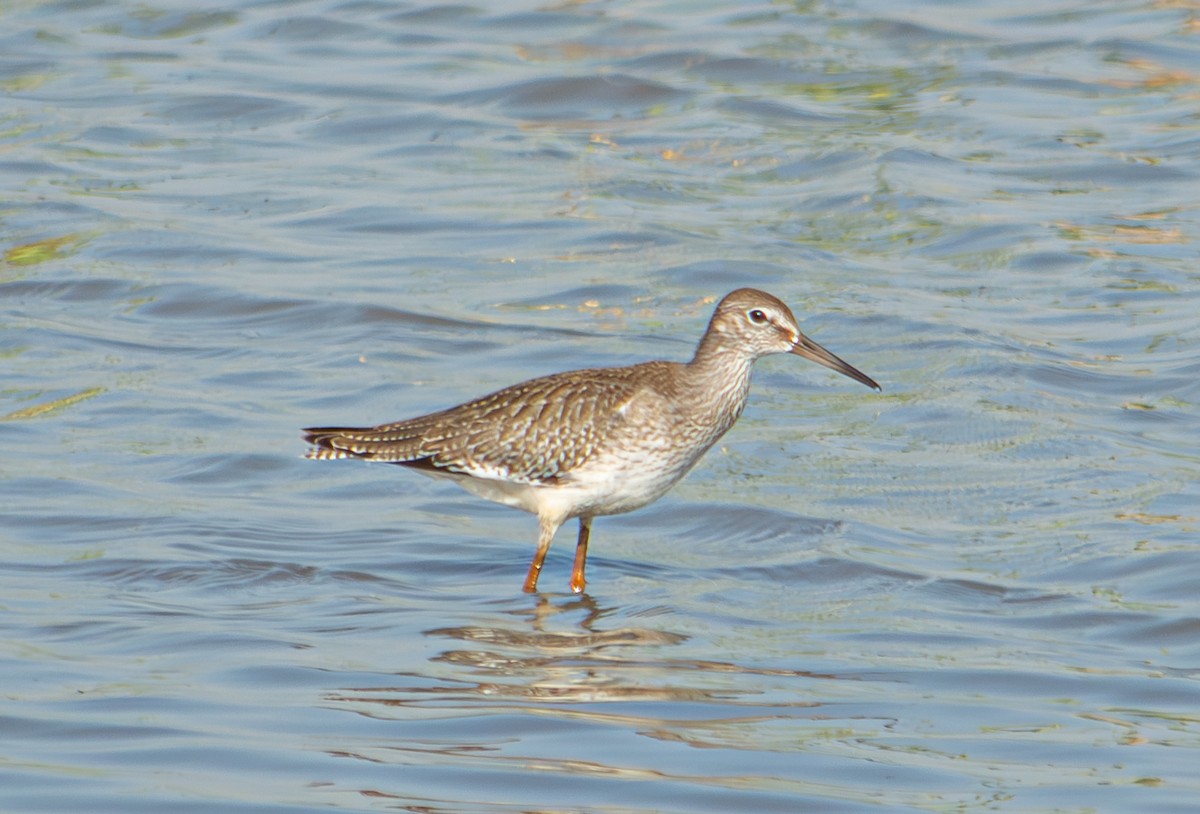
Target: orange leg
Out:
[585,532]
[546,530]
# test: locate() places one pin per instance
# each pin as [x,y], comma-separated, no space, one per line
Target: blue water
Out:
[976,591]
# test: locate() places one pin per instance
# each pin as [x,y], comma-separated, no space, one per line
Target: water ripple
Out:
[974,590]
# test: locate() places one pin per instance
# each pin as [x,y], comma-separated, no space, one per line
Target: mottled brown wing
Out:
[531,432]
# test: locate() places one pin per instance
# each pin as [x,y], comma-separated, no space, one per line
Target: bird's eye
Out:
[757,316]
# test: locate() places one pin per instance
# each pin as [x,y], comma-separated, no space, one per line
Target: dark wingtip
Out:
[320,436]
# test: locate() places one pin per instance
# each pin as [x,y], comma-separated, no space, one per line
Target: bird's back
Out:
[533,432]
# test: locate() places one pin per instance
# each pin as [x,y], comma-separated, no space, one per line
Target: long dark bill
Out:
[811,350]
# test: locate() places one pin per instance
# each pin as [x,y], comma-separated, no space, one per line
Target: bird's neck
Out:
[719,381]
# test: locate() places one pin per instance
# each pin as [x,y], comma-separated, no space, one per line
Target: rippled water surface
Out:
[978,590]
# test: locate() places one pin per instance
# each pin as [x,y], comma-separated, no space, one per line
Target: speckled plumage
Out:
[587,443]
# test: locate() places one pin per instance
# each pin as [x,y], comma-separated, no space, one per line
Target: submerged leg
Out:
[585,532]
[546,529]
